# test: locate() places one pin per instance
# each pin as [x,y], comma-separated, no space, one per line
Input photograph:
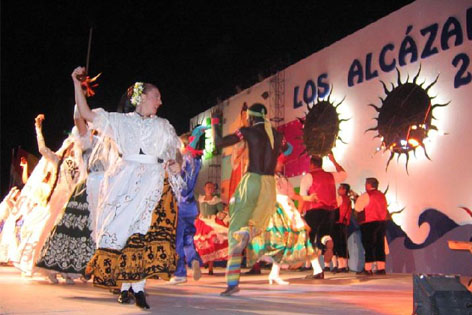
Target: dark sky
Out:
[194,51]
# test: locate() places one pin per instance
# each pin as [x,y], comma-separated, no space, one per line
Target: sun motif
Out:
[405,117]
[321,127]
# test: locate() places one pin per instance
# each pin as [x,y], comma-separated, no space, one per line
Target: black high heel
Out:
[141,300]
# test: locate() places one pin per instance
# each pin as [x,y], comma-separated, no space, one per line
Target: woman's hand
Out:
[78,74]
[173,167]
[38,121]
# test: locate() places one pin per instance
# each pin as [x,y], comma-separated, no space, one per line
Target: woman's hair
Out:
[346,187]
[184,138]
[58,169]
[125,106]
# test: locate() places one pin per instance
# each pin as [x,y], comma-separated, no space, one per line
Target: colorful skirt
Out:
[286,239]
[143,256]
[211,239]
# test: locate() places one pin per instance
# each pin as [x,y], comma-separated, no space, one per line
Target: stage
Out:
[337,294]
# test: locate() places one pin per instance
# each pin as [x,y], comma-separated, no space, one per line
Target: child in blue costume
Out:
[188,210]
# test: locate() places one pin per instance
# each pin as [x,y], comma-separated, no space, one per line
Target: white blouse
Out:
[132,133]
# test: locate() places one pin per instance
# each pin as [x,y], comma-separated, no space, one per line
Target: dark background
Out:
[194,51]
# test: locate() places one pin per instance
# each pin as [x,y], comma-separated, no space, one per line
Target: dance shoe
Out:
[125,297]
[364,273]
[380,272]
[318,276]
[277,280]
[141,300]
[177,280]
[52,277]
[230,290]
[253,271]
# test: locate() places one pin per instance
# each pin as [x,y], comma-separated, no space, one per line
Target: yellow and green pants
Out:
[250,210]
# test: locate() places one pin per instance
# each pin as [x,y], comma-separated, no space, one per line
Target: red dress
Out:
[211,237]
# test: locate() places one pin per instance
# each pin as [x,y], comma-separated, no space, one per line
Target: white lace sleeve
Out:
[84,141]
[105,122]
[172,142]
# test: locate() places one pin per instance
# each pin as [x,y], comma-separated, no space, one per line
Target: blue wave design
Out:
[439,224]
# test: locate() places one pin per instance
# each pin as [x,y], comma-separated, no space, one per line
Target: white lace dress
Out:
[133,186]
[40,220]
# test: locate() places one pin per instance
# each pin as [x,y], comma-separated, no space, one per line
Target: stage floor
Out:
[337,294]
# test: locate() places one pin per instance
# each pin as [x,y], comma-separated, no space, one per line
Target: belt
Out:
[142,158]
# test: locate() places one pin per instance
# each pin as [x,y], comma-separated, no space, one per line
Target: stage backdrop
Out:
[401,88]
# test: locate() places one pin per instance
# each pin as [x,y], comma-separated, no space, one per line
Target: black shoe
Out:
[230,290]
[304,268]
[365,273]
[326,269]
[343,270]
[141,300]
[125,297]
[253,272]
[318,276]
[210,273]
[335,270]
[380,272]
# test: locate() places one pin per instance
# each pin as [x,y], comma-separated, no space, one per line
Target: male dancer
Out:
[373,226]
[320,213]
[253,203]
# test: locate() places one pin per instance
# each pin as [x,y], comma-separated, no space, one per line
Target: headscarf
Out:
[267,125]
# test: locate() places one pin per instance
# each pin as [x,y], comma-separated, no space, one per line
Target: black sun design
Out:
[321,127]
[405,117]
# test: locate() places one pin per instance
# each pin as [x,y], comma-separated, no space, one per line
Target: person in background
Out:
[211,238]
[372,213]
[191,150]
[320,214]
[286,241]
[340,229]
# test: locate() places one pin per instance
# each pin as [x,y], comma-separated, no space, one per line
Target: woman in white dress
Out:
[132,188]
[71,245]
[52,195]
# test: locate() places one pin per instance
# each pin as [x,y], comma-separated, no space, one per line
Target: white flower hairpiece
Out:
[137,92]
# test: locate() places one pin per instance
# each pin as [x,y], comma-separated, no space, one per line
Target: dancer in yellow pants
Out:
[254,200]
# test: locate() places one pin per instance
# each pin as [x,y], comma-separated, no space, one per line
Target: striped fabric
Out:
[233,270]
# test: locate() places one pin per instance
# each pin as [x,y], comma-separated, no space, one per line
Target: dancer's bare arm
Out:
[80,99]
[222,142]
[42,148]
